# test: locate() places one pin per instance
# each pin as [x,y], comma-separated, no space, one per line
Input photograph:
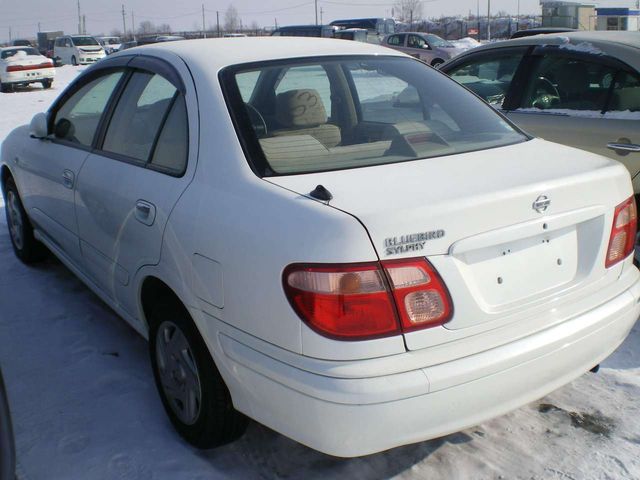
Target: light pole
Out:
[488,20]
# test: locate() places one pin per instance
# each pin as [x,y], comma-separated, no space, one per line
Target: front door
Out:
[51,165]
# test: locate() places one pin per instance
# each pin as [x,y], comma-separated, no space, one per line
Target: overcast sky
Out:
[102,16]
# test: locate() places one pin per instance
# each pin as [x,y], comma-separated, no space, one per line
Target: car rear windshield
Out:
[13,51]
[84,41]
[323,114]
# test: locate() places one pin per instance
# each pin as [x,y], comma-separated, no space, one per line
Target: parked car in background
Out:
[77,50]
[541,31]
[7,442]
[427,47]
[127,45]
[324,31]
[169,38]
[377,28]
[581,89]
[234,35]
[21,66]
[110,44]
[46,42]
[21,43]
[393,261]
[354,34]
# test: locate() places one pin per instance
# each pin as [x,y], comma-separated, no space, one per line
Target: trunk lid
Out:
[506,228]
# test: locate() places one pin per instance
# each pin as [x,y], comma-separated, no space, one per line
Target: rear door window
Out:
[139,115]
[625,96]
[489,75]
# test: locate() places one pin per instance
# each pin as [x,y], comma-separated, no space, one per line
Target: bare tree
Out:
[231,19]
[408,10]
[164,28]
[255,27]
[146,27]
[116,32]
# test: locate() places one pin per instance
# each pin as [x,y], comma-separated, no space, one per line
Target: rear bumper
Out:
[29,76]
[350,417]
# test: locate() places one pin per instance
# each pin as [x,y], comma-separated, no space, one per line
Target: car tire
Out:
[437,62]
[26,247]
[46,84]
[193,378]
[6,88]
[74,61]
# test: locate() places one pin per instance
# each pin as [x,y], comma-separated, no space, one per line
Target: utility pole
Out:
[276,22]
[124,23]
[322,13]
[133,25]
[10,35]
[84,24]
[518,17]
[204,35]
[488,20]
[39,27]
[218,22]
[79,19]
[478,19]
[316,5]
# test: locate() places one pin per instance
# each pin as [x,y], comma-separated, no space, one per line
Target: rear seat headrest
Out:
[300,109]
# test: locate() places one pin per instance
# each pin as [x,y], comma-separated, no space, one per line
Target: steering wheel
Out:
[257,121]
[549,97]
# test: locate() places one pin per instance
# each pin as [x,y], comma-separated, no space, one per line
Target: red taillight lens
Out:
[23,68]
[355,302]
[623,232]
[349,302]
[420,294]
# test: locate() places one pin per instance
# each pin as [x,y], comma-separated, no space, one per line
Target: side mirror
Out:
[39,128]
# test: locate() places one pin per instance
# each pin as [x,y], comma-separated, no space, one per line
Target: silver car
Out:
[427,47]
[580,89]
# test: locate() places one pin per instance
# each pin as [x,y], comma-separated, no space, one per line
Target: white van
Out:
[77,50]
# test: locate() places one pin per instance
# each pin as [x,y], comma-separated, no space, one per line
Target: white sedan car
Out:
[21,66]
[329,237]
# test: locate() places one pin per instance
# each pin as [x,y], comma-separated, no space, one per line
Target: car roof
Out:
[218,53]
[619,44]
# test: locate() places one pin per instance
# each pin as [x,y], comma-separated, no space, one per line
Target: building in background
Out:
[618,19]
[578,15]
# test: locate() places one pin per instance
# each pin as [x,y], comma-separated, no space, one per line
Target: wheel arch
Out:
[5,174]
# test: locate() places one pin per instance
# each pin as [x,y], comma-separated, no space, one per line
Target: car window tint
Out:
[77,119]
[625,96]
[396,40]
[489,77]
[566,83]
[415,41]
[158,89]
[171,151]
[385,97]
[247,84]
[135,122]
[297,78]
[387,110]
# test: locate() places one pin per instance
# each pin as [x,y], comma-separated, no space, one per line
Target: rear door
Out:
[129,185]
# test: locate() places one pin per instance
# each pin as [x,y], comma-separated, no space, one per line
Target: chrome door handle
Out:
[624,148]
[145,212]
[68,178]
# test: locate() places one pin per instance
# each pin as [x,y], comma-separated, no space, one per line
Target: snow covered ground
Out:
[85,407]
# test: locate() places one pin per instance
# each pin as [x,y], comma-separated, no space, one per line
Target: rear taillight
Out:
[356,301]
[23,68]
[420,294]
[623,232]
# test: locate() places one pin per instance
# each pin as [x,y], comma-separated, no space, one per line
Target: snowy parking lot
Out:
[85,405]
